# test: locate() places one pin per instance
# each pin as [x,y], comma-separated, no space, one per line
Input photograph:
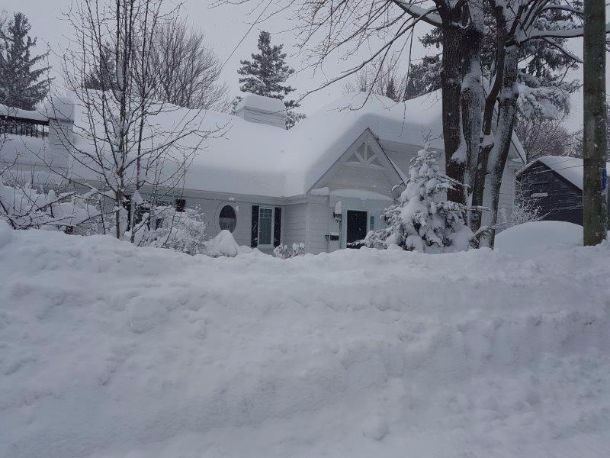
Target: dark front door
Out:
[356,228]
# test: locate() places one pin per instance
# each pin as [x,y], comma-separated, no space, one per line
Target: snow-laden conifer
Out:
[266,75]
[23,83]
[423,219]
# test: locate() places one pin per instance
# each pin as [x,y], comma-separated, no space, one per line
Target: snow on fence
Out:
[22,122]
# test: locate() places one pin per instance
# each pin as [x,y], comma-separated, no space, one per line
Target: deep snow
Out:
[107,350]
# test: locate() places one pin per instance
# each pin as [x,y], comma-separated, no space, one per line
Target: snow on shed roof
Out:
[570,168]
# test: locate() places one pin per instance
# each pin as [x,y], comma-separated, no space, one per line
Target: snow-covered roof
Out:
[241,157]
[264,160]
[258,102]
[570,168]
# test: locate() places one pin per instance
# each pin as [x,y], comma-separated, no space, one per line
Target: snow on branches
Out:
[423,220]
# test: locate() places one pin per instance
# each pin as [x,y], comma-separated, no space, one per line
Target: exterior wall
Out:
[557,198]
[319,216]
[212,203]
[294,227]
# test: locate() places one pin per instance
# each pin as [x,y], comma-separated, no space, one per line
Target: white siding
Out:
[319,216]
[294,224]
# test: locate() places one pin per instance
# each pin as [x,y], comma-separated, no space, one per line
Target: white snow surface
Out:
[223,244]
[570,168]
[539,237]
[108,350]
[261,103]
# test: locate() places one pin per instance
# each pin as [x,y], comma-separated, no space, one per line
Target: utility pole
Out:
[595,182]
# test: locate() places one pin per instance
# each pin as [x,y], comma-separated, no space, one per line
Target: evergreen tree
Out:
[21,84]
[266,74]
[390,90]
[423,220]
[103,77]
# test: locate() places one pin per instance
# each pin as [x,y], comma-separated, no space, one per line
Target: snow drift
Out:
[107,350]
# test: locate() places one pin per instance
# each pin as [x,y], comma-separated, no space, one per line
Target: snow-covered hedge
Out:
[165,227]
[285,252]
[24,207]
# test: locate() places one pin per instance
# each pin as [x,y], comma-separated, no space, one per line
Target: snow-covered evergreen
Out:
[266,75]
[423,220]
[22,82]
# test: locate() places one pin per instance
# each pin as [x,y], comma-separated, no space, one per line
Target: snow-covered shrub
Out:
[222,245]
[165,227]
[285,252]
[423,220]
[24,207]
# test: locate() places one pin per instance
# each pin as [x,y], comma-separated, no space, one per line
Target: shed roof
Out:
[570,168]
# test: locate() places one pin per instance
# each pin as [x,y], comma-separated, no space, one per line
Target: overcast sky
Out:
[225,27]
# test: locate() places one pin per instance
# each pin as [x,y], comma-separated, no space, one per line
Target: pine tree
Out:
[265,74]
[423,220]
[390,90]
[22,85]
[103,77]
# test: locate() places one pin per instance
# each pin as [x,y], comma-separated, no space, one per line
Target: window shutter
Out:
[254,236]
[277,227]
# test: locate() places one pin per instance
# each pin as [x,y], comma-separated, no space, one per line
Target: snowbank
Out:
[107,350]
[539,237]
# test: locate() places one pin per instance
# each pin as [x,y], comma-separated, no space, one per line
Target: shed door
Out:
[356,227]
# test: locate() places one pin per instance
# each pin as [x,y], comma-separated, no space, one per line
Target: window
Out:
[265,226]
[227,218]
[371,223]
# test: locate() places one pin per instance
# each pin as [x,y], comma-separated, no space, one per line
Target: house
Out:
[553,185]
[324,183]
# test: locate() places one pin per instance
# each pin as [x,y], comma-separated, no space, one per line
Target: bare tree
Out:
[189,71]
[545,138]
[125,140]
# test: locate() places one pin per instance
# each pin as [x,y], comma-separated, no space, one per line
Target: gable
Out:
[363,165]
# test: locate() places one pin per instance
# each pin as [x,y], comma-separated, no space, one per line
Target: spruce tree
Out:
[423,220]
[103,76]
[266,74]
[21,84]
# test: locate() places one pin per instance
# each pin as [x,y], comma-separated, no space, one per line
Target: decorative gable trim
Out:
[372,156]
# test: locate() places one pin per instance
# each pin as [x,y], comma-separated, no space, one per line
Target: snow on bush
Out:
[165,227]
[24,207]
[285,252]
[222,245]
[423,220]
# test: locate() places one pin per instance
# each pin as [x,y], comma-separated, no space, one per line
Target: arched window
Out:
[227,218]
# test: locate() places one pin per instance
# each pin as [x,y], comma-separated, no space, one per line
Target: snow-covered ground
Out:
[107,350]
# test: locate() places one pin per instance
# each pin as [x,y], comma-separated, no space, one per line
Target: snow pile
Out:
[108,350]
[222,245]
[539,237]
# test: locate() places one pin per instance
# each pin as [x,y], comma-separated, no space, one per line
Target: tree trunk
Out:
[451,82]
[595,193]
[507,110]
[472,100]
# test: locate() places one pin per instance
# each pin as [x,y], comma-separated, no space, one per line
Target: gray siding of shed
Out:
[563,200]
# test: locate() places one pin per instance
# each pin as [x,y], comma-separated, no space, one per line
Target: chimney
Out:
[60,112]
[262,110]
